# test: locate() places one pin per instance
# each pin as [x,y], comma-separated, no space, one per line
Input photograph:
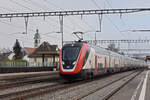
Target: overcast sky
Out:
[112,25]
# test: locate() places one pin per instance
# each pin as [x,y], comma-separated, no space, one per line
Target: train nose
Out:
[68,65]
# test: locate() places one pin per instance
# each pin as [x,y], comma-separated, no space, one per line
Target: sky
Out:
[113,26]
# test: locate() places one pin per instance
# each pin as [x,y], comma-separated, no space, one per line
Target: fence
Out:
[14,67]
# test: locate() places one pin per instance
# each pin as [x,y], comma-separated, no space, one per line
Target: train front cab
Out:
[72,58]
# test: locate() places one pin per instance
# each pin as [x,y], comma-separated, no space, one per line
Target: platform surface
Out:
[25,74]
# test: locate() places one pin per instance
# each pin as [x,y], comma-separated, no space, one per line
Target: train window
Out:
[86,55]
[70,53]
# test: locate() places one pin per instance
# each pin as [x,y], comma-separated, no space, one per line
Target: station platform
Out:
[26,75]
[147,95]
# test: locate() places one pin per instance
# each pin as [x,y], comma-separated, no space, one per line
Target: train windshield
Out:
[70,53]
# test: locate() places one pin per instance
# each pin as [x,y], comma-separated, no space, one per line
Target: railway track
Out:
[28,81]
[20,95]
[29,93]
[123,81]
[83,91]
[120,87]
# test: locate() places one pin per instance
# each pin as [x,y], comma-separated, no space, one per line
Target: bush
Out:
[8,60]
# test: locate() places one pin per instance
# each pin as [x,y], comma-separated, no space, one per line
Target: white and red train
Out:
[81,61]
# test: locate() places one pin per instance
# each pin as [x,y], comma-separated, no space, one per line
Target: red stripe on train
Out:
[60,69]
[79,65]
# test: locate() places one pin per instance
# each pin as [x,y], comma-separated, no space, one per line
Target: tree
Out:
[17,50]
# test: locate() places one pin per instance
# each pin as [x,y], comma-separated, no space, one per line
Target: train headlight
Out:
[74,62]
[63,62]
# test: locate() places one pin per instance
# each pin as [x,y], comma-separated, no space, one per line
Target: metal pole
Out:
[95,38]
[61,28]
[26,24]
[100,22]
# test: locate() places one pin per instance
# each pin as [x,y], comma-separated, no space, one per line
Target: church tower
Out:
[37,39]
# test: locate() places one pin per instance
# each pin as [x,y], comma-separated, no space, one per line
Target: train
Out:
[81,60]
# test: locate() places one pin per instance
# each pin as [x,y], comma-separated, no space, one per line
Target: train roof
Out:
[100,49]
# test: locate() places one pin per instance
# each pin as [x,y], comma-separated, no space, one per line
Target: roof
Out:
[46,49]
[45,46]
[29,50]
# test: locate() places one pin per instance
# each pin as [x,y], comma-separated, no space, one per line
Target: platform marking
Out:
[135,93]
[143,91]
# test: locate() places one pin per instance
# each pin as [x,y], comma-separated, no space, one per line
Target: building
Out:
[37,39]
[6,56]
[27,51]
[45,55]
[4,50]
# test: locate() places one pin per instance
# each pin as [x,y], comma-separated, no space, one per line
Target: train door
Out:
[116,62]
[109,66]
[119,64]
[96,67]
[112,64]
[105,65]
